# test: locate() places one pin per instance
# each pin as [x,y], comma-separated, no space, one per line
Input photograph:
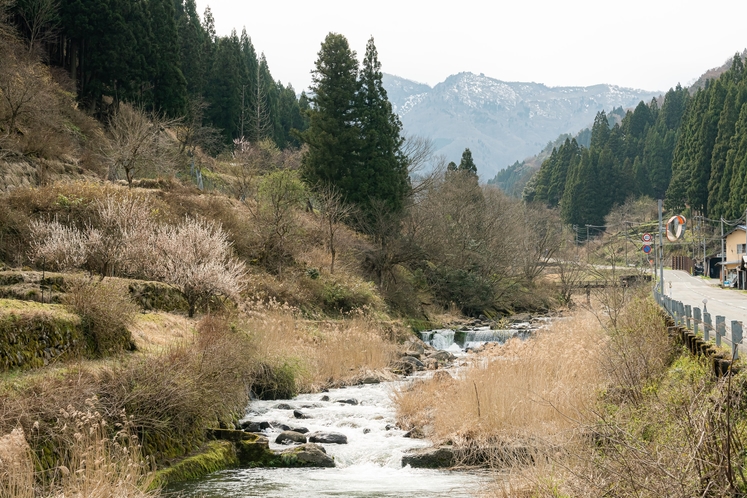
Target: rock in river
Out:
[430,458]
[290,437]
[307,455]
[328,437]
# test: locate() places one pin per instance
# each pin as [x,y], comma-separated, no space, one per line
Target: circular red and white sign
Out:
[646,237]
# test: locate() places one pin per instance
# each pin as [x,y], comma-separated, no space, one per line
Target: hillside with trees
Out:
[687,149]
[161,56]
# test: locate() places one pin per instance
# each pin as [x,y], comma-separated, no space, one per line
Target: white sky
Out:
[645,44]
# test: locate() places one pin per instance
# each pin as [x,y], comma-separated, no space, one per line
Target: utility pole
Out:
[745,245]
[704,240]
[588,256]
[243,108]
[723,256]
[661,250]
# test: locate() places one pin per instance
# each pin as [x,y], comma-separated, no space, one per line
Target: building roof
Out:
[738,227]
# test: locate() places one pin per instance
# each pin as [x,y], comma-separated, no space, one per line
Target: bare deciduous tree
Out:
[40,18]
[56,246]
[333,211]
[24,87]
[138,142]
[191,133]
[196,258]
[538,239]
[423,167]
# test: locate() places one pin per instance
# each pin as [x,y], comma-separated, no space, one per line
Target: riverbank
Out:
[192,378]
[591,406]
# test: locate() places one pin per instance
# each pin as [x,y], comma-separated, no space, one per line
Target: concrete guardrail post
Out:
[720,329]
[736,338]
[688,314]
[707,326]
[696,321]
[681,311]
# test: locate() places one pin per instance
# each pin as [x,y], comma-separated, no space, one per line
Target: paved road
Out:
[692,290]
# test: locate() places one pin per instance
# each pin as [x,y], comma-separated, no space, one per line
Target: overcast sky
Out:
[644,44]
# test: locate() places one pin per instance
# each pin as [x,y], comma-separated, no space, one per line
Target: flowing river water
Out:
[370,464]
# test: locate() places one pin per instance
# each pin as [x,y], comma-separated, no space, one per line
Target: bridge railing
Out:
[717,328]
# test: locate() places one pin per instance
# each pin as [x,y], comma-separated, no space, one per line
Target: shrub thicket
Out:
[106,311]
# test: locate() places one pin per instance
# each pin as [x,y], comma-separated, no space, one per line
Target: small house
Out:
[733,273]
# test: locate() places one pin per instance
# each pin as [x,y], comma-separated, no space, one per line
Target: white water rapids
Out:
[368,466]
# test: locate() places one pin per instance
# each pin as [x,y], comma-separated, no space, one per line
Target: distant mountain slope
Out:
[501,122]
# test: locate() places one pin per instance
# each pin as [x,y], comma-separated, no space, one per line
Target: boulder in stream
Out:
[250,426]
[328,437]
[442,356]
[307,455]
[299,414]
[348,401]
[430,458]
[409,364]
[290,437]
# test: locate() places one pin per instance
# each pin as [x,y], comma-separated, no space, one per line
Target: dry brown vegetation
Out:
[595,410]
[325,353]
[523,391]
[16,466]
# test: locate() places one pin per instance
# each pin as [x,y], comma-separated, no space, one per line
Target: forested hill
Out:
[161,55]
[690,149]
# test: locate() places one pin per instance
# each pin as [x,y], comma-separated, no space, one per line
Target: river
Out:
[370,465]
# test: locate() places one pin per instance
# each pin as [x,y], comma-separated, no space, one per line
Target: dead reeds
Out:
[523,391]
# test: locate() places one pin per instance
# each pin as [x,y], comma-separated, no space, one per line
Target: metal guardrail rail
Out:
[695,319]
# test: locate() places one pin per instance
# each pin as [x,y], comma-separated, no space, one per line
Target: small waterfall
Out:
[426,336]
[442,339]
[461,340]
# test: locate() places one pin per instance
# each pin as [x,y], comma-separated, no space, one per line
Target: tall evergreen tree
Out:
[700,172]
[192,49]
[253,110]
[726,126]
[467,163]
[333,136]
[382,173]
[169,85]
[224,87]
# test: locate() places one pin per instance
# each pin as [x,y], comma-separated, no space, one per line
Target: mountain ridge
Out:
[501,122]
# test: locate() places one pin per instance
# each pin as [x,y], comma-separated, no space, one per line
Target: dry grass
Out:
[156,331]
[101,461]
[16,466]
[325,353]
[523,390]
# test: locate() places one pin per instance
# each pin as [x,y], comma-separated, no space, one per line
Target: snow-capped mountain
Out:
[501,122]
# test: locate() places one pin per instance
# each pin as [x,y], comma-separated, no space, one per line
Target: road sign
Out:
[647,237]
[646,248]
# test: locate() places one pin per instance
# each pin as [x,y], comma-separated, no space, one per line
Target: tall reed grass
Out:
[524,390]
[321,353]
[16,466]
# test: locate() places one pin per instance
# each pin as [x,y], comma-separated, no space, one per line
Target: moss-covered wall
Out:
[32,334]
[157,296]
